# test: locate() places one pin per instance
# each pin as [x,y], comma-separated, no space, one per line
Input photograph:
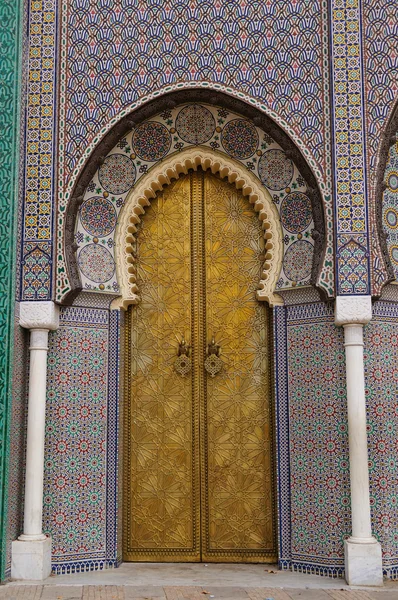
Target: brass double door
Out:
[198,448]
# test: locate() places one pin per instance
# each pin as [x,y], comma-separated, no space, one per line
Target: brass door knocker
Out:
[183,364]
[213,362]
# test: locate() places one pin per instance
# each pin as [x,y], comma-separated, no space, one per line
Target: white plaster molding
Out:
[161,175]
[353,310]
[39,315]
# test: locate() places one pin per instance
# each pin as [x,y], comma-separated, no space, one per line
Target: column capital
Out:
[353,310]
[39,315]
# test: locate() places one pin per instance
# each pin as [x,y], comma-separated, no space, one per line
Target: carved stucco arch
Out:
[162,175]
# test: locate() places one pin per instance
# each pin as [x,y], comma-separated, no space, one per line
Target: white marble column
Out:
[31,553]
[363,562]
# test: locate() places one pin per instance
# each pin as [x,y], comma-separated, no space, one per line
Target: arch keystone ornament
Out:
[160,176]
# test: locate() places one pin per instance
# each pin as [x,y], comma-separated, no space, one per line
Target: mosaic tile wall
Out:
[390,207]
[80,496]
[380,30]
[10,59]
[114,58]
[17,436]
[313,466]
[381,376]
[37,217]
[381,67]
[174,130]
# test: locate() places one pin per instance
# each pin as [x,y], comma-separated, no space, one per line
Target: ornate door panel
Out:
[161,469]
[198,451]
[236,443]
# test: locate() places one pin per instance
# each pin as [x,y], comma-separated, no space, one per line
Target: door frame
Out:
[134,207]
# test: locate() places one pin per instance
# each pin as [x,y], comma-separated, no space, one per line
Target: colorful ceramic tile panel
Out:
[349,141]
[381,375]
[390,207]
[313,466]
[81,440]
[17,437]
[171,131]
[10,53]
[112,57]
[40,121]
[381,67]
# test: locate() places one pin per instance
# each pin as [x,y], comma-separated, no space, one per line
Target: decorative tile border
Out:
[39,154]
[80,492]
[349,142]
[381,377]
[311,428]
[11,19]
[282,436]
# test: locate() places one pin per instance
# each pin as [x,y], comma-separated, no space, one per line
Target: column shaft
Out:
[33,509]
[362,552]
[356,407]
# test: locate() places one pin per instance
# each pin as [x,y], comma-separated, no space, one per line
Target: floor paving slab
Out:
[193,582]
[62,592]
[144,591]
[263,593]
[301,594]
[199,574]
[224,592]
[355,595]
[385,595]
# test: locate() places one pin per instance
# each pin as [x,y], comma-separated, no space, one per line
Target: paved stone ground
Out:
[193,581]
[131,592]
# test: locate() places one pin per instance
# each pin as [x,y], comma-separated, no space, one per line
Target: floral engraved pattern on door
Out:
[237,445]
[162,505]
[198,448]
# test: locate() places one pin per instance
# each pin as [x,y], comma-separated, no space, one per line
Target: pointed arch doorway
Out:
[198,448]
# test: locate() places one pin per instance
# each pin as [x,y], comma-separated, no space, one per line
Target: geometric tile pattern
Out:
[110,59]
[39,165]
[313,466]
[381,67]
[103,49]
[349,139]
[17,437]
[80,464]
[10,88]
[381,377]
[164,134]
[390,206]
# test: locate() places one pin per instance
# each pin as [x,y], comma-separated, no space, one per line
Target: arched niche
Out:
[72,282]
[162,175]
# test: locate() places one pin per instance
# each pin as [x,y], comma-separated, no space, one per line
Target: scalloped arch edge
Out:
[162,175]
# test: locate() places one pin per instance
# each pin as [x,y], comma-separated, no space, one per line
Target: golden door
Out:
[198,476]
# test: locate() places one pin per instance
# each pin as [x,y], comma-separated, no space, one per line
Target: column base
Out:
[363,563]
[31,560]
